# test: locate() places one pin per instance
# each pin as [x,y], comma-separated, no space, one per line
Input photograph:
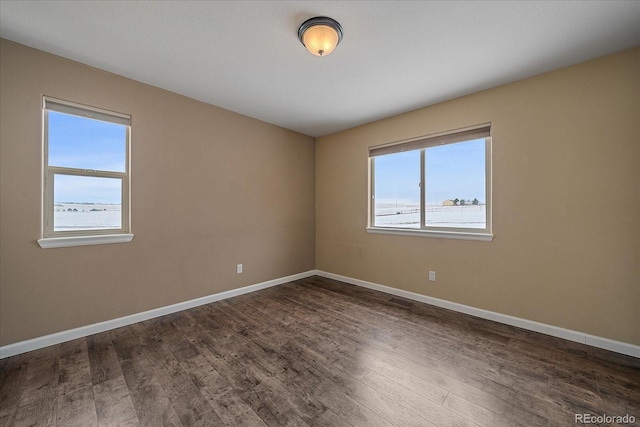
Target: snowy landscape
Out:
[86,216]
[407,215]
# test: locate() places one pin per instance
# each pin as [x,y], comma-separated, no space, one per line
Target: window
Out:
[438,185]
[85,175]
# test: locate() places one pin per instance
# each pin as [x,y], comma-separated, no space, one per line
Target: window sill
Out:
[460,235]
[66,242]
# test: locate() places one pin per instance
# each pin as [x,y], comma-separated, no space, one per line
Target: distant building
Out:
[448,203]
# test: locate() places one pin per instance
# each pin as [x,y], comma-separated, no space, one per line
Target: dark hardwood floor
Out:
[317,352]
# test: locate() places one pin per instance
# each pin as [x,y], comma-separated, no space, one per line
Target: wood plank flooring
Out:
[316,352]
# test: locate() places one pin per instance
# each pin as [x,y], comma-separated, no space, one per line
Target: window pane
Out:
[86,203]
[455,185]
[83,143]
[397,190]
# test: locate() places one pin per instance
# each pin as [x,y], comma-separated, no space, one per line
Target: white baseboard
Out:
[83,331]
[555,331]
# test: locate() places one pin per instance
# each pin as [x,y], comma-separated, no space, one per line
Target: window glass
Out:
[86,203]
[84,143]
[397,190]
[456,185]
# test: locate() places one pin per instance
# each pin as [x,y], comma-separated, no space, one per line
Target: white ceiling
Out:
[396,56]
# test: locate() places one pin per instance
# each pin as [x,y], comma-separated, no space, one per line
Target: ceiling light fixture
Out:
[320,35]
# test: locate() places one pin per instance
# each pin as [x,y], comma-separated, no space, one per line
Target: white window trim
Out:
[484,235]
[51,239]
[459,235]
[66,242]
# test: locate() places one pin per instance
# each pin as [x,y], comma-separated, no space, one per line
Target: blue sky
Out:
[82,143]
[452,171]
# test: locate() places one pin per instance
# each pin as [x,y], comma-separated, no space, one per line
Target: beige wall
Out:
[566,202]
[210,189]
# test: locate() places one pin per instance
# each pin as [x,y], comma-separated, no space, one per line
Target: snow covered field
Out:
[88,216]
[85,216]
[407,215]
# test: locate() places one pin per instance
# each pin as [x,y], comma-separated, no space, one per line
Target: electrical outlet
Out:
[432,276]
[239,268]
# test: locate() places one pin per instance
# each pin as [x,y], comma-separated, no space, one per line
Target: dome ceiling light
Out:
[320,35]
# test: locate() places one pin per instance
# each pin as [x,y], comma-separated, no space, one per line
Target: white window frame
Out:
[422,143]
[55,239]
